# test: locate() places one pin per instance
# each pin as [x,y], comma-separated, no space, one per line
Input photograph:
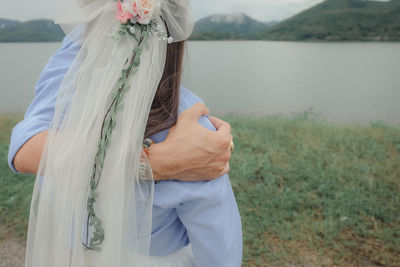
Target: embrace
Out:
[130,168]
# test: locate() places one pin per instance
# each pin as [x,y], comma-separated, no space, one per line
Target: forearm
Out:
[28,157]
[189,153]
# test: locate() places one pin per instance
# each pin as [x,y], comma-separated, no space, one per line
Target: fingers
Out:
[196,111]
[216,122]
[226,169]
[225,129]
[222,126]
[227,157]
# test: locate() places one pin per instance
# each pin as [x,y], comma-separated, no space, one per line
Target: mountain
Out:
[228,26]
[214,27]
[7,22]
[331,20]
[40,30]
[341,20]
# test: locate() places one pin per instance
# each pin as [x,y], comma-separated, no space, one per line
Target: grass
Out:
[15,190]
[310,192]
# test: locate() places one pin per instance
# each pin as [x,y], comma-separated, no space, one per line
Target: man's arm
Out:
[190,151]
[169,160]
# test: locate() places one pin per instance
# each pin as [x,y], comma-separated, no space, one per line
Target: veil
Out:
[76,220]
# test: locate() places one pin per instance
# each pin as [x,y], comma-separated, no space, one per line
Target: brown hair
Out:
[164,109]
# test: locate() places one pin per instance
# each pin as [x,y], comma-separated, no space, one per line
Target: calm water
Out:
[344,82]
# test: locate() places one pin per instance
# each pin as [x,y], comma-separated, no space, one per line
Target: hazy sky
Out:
[264,10]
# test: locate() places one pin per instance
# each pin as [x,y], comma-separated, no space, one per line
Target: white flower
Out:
[127,7]
[170,40]
[132,29]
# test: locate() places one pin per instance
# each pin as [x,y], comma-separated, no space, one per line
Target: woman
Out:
[202,214]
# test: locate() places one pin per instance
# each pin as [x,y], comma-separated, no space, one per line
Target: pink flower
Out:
[144,10]
[125,12]
[141,11]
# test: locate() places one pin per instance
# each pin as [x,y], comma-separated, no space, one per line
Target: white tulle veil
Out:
[59,231]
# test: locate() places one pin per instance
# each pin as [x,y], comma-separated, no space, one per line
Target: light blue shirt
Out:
[203,214]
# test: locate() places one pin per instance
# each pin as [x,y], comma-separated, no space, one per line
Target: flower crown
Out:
[134,14]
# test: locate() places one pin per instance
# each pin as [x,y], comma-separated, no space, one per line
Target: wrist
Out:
[159,155]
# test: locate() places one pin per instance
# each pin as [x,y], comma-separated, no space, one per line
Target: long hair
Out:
[164,109]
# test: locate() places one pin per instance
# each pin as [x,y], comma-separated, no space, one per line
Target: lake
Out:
[343,82]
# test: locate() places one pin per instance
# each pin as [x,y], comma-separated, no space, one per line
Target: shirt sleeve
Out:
[41,110]
[212,221]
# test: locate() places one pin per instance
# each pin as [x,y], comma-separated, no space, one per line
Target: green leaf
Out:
[115,93]
[120,83]
[119,107]
[128,88]
[112,113]
[106,125]
[144,34]
[136,62]
[113,124]
[101,163]
[92,182]
[102,154]
[134,71]
[107,144]
[138,50]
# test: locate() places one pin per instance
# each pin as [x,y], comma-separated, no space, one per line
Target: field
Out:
[310,192]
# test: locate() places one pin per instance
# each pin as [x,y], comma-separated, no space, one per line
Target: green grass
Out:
[309,191]
[15,190]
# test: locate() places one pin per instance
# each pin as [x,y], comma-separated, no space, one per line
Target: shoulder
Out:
[187,100]
[59,62]
[65,54]
[74,37]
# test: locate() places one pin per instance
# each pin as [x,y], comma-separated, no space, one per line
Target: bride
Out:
[95,201]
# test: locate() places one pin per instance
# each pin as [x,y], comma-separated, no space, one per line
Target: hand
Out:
[191,152]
